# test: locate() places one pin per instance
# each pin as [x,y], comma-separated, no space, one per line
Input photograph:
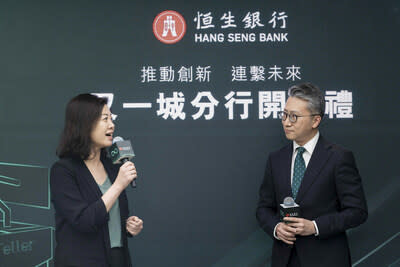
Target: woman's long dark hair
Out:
[82,112]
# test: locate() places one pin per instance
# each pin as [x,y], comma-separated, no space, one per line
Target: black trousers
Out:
[294,259]
[117,258]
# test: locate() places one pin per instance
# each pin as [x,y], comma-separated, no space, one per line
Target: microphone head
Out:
[289,201]
[121,150]
[117,139]
[289,208]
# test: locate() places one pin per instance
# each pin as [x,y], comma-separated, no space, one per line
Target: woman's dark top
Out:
[82,233]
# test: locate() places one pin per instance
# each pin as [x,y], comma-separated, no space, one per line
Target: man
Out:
[324,181]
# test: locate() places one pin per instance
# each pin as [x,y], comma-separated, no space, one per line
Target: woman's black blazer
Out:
[82,235]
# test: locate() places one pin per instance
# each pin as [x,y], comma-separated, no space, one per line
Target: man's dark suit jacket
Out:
[330,193]
[82,234]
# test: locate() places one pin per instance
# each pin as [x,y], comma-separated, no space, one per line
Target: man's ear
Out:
[316,121]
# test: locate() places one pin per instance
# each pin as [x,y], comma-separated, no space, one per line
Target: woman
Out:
[87,190]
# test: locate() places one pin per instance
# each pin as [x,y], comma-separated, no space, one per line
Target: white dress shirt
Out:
[309,149]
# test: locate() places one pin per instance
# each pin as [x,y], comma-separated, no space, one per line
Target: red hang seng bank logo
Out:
[169,27]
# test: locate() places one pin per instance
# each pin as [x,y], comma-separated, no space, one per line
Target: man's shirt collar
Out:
[309,146]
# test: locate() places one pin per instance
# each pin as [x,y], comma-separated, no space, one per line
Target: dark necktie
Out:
[298,171]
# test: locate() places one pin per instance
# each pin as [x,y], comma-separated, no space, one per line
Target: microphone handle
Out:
[133,183]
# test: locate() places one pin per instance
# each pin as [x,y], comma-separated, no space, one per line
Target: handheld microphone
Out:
[289,208]
[121,151]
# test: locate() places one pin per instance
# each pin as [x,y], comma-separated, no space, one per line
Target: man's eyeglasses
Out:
[292,117]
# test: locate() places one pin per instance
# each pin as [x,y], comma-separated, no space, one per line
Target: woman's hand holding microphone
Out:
[127,173]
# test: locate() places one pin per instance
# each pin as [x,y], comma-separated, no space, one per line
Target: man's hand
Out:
[301,226]
[286,233]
